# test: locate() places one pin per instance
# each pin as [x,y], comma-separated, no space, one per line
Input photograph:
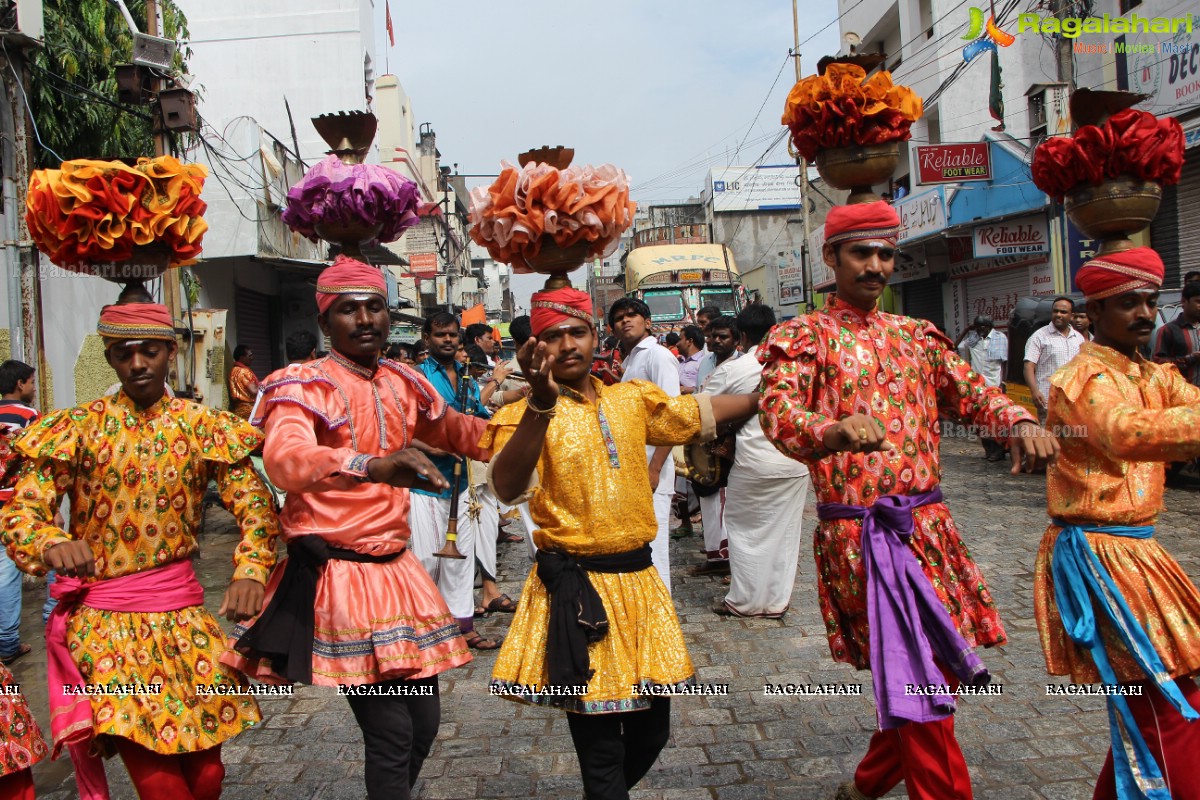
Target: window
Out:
[665,306]
[721,298]
[1125,6]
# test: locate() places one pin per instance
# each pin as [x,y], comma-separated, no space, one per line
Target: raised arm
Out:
[29,518]
[513,466]
[789,406]
[1095,407]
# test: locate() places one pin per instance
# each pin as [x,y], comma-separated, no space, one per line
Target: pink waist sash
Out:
[168,588]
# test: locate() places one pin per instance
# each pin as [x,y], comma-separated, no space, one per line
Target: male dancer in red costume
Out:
[857,394]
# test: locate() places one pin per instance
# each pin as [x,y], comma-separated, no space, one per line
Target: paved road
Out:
[1020,746]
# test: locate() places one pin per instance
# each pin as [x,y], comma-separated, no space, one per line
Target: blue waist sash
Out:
[1080,583]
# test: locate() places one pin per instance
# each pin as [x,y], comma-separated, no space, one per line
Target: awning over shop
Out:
[1010,192]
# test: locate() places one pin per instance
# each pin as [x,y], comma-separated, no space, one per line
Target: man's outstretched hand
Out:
[536,366]
[858,433]
[402,468]
[1032,447]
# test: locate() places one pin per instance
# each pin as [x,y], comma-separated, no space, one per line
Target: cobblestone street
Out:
[1020,746]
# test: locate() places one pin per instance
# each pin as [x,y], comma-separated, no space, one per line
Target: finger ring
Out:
[862,433]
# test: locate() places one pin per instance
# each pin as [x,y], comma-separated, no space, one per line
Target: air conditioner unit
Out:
[22,18]
[148,51]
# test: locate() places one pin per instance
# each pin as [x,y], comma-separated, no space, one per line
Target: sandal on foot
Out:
[23,650]
[503,603]
[480,612]
[476,642]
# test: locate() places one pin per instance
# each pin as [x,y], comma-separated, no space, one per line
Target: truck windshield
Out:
[665,306]
[721,298]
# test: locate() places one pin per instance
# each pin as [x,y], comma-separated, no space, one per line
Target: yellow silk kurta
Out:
[592,498]
[1119,421]
[136,479]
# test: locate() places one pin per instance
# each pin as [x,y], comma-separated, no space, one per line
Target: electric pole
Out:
[170,278]
[805,266]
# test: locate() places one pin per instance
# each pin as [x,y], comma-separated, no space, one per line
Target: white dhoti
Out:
[527,521]
[483,514]
[660,548]
[428,518]
[763,516]
[716,538]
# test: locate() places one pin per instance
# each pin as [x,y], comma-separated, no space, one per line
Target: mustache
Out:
[871,276]
[1142,326]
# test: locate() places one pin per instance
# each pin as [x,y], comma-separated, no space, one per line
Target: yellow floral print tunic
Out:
[136,479]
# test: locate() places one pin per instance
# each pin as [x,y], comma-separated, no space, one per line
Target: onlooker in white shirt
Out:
[986,350]
[691,352]
[647,360]
[1049,349]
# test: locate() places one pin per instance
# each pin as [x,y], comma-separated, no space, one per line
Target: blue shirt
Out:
[436,375]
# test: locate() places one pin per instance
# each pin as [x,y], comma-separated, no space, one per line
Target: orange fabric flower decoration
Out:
[523,205]
[97,211]
[843,108]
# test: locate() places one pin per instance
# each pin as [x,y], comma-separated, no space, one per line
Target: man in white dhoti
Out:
[765,497]
[647,360]
[723,342]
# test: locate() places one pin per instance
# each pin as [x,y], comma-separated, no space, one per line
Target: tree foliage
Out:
[85,40]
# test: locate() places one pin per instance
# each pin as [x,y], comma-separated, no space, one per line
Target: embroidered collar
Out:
[1132,367]
[571,394]
[154,410]
[834,306]
[351,367]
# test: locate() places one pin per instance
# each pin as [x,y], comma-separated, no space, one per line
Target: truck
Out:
[676,281]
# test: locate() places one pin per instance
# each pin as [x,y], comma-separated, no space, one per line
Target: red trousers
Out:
[1174,741]
[190,776]
[17,785]
[925,755]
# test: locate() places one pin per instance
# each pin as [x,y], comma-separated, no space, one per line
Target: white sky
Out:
[664,90]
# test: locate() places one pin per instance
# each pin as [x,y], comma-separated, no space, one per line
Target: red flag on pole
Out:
[391,32]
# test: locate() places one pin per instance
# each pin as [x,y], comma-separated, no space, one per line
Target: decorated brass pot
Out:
[859,168]
[1114,210]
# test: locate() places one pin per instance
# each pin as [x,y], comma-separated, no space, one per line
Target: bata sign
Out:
[954,163]
[1014,238]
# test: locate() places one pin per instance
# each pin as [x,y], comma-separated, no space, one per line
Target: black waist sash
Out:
[577,616]
[283,631]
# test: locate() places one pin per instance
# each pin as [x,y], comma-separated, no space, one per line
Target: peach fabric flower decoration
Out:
[843,108]
[577,204]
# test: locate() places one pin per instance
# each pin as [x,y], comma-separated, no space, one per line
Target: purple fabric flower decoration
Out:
[333,193]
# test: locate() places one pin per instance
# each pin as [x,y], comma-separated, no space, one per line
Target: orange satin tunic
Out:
[324,422]
[1119,421]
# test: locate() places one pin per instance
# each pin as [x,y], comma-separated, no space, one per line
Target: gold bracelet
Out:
[548,413]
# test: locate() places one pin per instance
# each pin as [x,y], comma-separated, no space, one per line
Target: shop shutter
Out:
[923,300]
[252,310]
[1187,256]
[995,295]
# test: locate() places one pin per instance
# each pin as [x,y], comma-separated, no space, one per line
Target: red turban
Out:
[136,321]
[554,308]
[1118,273]
[860,221]
[348,276]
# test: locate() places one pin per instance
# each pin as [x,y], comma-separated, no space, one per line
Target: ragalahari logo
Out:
[984,36]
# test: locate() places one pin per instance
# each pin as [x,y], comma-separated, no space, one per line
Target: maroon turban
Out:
[553,308]
[136,321]
[348,276]
[861,221]
[1118,273]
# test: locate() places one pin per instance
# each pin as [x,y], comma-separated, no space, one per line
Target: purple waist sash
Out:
[908,625]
